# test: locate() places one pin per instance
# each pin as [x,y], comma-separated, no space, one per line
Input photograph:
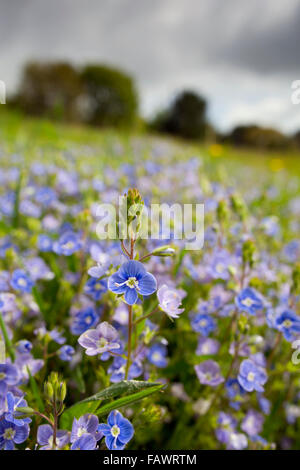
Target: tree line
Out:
[104,96]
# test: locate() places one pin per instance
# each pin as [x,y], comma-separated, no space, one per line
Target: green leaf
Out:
[130,388]
[128,400]
[7,341]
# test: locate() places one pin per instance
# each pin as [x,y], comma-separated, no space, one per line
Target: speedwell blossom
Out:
[21,281]
[208,373]
[102,339]
[11,434]
[252,377]
[118,431]
[45,437]
[203,324]
[170,300]
[248,300]
[132,279]
[288,323]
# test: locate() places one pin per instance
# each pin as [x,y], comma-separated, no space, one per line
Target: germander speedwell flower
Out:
[132,279]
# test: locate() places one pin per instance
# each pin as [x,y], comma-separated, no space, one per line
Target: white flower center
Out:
[115,430]
[287,323]
[132,282]
[9,434]
[250,377]
[248,302]
[102,342]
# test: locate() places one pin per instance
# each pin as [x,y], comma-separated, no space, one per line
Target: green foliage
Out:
[134,390]
[110,96]
[185,117]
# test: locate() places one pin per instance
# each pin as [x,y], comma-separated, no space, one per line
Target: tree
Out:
[50,89]
[186,117]
[109,95]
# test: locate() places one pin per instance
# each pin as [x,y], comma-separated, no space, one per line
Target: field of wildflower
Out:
[142,344]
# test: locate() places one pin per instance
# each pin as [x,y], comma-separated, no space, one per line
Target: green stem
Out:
[7,341]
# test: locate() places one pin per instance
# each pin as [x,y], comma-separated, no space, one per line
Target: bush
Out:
[110,98]
[258,137]
[50,89]
[185,117]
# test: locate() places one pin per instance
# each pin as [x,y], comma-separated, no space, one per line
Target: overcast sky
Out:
[241,54]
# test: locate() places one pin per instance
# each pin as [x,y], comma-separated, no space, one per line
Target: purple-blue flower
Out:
[86,424]
[288,323]
[11,434]
[102,339]
[84,442]
[132,279]
[208,373]
[248,300]
[66,353]
[83,320]
[251,377]
[118,431]
[21,281]
[203,324]
[170,300]
[157,355]
[45,437]
[252,423]
[12,415]
[68,243]
[95,287]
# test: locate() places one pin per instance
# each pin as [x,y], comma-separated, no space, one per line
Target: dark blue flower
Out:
[249,301]
[118,431]
[132,279]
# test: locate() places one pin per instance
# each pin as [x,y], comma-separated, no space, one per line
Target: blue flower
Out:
[203,324]
[45,243]
[20,281]
[86,424]
[68,243]
[45,437]
[157,355]
[24,346]
[66,353]
[83,320]
[117,432]
[8,376]
[13,416]
[95,287]
[288,323]
[11,434]
[251,377]
[84,442]
[132,279]
[249,301]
